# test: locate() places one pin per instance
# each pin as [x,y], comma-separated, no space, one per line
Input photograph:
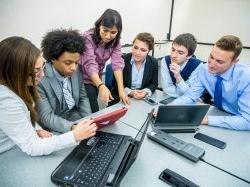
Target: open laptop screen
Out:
[181,115]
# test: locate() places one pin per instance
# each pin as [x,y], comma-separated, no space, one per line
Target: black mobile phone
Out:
[174,179]
[212,141]
[150,101]
[168,100]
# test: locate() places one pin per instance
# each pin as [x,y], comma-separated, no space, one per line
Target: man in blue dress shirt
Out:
[227,81]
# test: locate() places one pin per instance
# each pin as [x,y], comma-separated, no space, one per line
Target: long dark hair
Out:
[109,18]
[17,63]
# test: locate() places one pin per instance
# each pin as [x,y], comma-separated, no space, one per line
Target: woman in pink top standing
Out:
[103,43]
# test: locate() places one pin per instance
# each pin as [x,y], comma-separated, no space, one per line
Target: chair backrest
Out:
[109,76]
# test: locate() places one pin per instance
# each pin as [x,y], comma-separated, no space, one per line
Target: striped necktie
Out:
[67,94]
[218,92]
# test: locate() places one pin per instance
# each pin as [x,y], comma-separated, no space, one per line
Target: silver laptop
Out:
[180,118]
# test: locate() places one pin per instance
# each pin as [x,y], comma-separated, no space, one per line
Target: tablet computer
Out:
[110,118]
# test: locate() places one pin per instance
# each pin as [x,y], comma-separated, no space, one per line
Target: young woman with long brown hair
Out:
[21,68]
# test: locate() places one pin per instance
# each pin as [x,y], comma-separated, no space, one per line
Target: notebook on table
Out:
[102,160]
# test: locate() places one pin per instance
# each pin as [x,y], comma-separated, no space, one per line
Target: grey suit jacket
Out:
[51,106]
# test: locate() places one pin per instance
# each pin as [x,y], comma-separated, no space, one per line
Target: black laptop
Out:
[102,160]
[180,118]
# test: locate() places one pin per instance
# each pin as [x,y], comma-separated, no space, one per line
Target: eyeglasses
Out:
[39,70]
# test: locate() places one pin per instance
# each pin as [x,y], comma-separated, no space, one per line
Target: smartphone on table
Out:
[150,101]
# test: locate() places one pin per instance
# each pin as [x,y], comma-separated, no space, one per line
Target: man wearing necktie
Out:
[218,92]
[63,95]
[227,81]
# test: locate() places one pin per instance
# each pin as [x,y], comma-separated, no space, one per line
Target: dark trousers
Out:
[92,93]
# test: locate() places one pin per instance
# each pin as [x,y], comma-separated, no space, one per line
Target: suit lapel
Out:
[129,70]
[75,87]
[130,74]
[54,83]
[146,72]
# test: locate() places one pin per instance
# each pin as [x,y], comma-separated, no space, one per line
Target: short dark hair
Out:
[188,41]
[230,43]
[147,38]
[58,41]
[109,18]
[18,58]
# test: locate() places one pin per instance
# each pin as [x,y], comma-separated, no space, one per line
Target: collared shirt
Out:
[137,74]
[167,83]
[235,95]
[95,56]
[61,78]
[137,77]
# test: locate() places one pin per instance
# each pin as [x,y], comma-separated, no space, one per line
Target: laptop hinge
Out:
[119,169]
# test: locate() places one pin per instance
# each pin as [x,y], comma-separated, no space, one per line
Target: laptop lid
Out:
[141,134]
[132,151]
[180,116]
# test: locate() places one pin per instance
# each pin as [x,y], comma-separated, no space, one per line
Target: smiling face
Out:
[219,61]
[139,50]
[108,34]
[179,54]
[67,63]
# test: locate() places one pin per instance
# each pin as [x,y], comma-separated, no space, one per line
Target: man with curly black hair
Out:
[63,95]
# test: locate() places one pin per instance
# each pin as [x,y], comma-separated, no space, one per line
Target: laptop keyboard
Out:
[95,165]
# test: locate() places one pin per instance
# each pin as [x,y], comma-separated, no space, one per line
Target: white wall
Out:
[33,18]
[209,20]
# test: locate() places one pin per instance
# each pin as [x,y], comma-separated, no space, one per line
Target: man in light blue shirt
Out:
[179,69]
[235,85]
